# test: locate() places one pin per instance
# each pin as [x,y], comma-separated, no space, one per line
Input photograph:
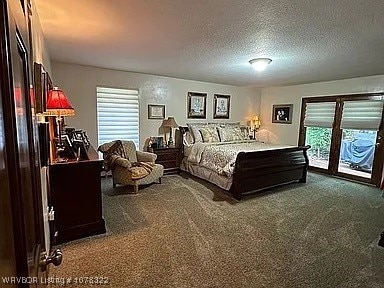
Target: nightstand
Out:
[169,158]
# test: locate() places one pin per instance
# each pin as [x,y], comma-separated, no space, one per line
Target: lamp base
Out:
[170,141]
[170,144]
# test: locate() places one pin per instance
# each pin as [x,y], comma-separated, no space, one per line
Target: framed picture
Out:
[68,151]
[221,106]
[282,113]
[156,142]
[197,105]
[86,141]
[156,111]
[39,87]
[42,85]
[81,136]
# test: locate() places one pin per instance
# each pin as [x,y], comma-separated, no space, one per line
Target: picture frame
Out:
[42,84]
[156,111]
[68,151]
[157,142]
[222,104]
[81,136]
[197,105]
[38,87]
[282,113]
[86,141]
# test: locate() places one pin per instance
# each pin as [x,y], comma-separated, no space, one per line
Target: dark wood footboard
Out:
[259,170]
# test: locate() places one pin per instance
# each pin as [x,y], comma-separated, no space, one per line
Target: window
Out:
[117,115]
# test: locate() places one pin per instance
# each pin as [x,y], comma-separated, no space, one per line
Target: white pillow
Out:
[187,139]
[194,128]
[230,133]
[209,134]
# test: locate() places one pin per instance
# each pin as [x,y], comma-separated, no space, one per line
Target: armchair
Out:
[130,166]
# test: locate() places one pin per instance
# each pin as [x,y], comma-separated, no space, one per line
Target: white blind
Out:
[117,115]
[362,114]
[320,114]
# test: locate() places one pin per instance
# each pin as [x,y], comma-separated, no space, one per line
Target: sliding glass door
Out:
[345,134]
[318,120]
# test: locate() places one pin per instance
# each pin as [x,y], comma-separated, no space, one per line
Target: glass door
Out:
[345,134]
[360,125]
[318,123]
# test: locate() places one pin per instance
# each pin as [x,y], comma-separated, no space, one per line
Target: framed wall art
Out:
[221,106]
[282,113]
[197,105]
[42,85]
[156,111]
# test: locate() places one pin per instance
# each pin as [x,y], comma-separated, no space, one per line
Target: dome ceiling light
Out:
[259,64]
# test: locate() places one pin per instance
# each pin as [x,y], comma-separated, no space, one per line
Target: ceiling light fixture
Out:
[259,64]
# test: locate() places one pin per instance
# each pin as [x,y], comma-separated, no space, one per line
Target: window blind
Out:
[320,114]
[362,114]
[117,115]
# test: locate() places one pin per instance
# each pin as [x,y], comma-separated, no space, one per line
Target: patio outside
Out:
[356,151]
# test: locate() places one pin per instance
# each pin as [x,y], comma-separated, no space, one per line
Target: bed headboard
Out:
[180,136]
[183,129]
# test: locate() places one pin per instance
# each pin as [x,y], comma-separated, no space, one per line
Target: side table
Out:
[169,158]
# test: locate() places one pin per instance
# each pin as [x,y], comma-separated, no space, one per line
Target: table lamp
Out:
[58,106]
[256,125]
[170,123]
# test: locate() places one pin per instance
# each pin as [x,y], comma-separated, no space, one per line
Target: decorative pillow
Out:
[188,139]
[209,134]
[230,134]
[245,132]
[111,151]
[195,130]
[231,124]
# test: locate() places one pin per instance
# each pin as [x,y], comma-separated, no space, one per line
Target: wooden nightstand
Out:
[169,158]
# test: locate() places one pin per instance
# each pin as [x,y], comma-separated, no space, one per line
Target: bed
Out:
[239,165]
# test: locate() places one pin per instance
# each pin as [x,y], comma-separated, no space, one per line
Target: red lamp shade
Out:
[58,104]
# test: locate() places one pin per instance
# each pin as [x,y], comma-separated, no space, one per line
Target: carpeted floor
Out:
[188,233]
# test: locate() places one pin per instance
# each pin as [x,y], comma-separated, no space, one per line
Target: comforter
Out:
[221,156]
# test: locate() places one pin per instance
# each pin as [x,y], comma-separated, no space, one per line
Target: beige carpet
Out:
[188,233]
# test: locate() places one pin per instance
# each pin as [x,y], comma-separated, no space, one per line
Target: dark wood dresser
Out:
[169,158]
[75,190]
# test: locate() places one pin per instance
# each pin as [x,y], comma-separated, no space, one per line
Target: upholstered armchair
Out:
[130,166]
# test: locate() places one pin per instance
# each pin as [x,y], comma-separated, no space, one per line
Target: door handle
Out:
[55,258]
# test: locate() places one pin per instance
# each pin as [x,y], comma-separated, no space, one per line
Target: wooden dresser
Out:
[75,190]
[169,158]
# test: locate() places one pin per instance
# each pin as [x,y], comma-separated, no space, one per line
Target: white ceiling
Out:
[213,40]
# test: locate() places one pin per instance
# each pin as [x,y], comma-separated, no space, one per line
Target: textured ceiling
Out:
[213,40]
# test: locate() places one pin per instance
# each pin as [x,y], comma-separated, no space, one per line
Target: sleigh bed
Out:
[243,166]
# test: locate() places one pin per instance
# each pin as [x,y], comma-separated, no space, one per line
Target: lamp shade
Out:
[256,121]
[58,104]
[170,122]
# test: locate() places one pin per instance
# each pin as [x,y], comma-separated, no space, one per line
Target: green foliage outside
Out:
[320,139]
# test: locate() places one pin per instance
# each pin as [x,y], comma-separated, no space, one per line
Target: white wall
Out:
[40,51]
[289,133]
[80,82]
